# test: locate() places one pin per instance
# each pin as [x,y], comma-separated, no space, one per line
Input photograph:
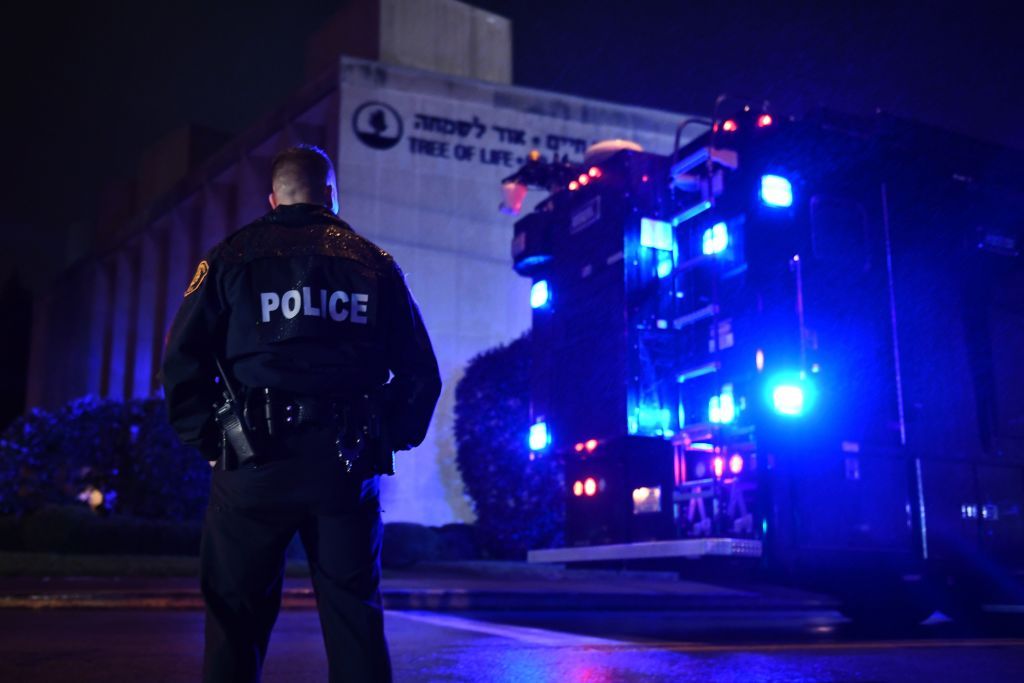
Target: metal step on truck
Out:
[794,343]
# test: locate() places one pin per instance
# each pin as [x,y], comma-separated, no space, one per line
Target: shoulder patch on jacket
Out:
[198,278]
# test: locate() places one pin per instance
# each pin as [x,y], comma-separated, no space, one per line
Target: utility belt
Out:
[252,425]
[275,413]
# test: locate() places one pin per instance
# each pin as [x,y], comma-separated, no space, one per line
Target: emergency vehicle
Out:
[795,343]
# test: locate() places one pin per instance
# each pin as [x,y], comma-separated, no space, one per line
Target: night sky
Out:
[90,88]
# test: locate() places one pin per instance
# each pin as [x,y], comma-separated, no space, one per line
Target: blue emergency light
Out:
[722,408]
[656,234]
[788,399]
[539,436]
[776,191]
[791,394]
[651,420]
[665,265]
[715,239]
[540,295]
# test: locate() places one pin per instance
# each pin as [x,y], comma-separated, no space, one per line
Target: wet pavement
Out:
[481,585]
[490,621]
[532,646]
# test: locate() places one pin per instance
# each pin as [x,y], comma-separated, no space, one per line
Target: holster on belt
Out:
[237,444]
[236,439]
[360,439]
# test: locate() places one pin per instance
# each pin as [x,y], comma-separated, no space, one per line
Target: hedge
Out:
[518,501]
[124,454]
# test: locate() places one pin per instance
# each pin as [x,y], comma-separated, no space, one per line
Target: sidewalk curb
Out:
[442,600]
[448,600]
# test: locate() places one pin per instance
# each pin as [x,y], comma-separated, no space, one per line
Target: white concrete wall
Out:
[447,37]
[408,190]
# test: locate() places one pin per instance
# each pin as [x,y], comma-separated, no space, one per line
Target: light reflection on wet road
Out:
[152,645]
[709,646]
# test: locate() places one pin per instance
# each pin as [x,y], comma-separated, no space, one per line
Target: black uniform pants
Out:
[253,514]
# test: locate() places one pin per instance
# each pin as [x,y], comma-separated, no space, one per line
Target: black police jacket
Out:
[297,301]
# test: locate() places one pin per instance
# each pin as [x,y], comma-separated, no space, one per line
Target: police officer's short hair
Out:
[303,167]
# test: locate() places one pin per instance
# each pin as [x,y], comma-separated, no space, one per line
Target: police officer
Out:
[308,321]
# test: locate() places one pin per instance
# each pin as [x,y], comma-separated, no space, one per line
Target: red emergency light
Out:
[718,465]
[513,194]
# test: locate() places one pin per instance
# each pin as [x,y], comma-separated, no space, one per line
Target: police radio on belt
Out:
[231,419]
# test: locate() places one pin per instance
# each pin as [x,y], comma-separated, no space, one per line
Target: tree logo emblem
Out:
[377,125]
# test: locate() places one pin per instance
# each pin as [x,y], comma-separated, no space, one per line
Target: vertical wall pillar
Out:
[38,388]
[145,364]
[252,189]
[132,301]
[104,311]
[118,373]
[217,214]
[180,268]
[161,321]
[187,222]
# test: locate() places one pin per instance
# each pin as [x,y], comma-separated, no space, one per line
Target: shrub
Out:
[126,451]
[518,501]
[28,448]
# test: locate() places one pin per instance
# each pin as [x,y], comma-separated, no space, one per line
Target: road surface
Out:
[156,646]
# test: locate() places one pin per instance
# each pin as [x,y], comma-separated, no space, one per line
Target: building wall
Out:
[445,36]
[101,328]
[424,183]
[426,187]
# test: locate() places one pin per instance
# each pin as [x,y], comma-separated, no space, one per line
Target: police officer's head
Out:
[303,175]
